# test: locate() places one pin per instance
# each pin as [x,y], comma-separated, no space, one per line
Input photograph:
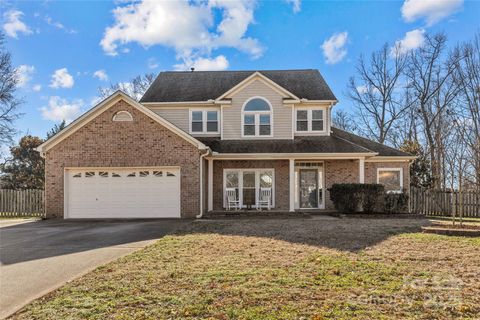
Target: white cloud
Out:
[190,27]
[59,109]
[334,47]
[430,10]
[362,89]
[100,75]
[152,63]
[37,87]
[58,25]
[412,40]
[13,24]
[296,5]
[61,79]
[204,64]
[24,74]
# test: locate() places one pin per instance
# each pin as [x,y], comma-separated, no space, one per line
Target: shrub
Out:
[396,202]
[369,198]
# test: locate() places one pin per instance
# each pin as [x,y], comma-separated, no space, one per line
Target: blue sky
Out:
[66,50]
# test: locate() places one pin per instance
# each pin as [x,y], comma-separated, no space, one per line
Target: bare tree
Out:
[135,88]
[467,77]
[375,92]
[343,120]
[429,81]
[9,103]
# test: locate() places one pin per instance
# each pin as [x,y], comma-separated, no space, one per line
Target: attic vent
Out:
[122,116]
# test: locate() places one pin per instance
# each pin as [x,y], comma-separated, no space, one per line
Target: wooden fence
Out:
[21,203]
[445,203]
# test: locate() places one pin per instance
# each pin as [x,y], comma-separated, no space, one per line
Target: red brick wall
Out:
[281,179]
[104,143]
[339,171]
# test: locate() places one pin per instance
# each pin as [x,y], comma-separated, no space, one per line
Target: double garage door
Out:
[122,193]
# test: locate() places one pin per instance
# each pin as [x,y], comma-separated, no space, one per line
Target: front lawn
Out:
[281,269]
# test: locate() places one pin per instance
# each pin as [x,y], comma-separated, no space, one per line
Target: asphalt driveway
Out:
[39,256]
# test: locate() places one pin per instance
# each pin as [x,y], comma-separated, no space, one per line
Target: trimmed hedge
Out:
[368,198]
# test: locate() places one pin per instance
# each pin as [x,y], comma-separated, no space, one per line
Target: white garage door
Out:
[122,193]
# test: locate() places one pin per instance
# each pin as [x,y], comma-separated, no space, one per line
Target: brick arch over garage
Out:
[106,143]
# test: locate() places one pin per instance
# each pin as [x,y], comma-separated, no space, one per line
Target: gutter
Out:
[202,156]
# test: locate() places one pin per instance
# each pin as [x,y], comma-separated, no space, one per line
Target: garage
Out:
[106,193]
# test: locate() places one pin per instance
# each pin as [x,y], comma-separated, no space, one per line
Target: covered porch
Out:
[298,184]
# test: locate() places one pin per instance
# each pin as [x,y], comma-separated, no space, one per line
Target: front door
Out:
[308,188]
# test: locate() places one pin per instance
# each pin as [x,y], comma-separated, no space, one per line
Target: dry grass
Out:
[281,269]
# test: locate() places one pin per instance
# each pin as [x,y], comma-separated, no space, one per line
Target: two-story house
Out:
[195,135]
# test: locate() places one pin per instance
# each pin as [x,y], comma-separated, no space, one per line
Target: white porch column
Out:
[210,184]
[292,184]
[361,169]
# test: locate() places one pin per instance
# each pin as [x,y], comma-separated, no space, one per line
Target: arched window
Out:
[122,116]
[257,118]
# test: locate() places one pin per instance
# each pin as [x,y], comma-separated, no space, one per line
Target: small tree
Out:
[420,173]
[26,168]
[56,129]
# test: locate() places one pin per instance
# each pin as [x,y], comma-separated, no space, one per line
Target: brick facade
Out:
[371,171]
[104,143]
[339,171]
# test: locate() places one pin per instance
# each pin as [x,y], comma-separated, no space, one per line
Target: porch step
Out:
[259,214]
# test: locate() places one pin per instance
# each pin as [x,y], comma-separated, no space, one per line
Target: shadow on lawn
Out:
[340,234]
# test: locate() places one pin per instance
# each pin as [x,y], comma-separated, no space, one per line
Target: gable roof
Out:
[187,86]
[104,105]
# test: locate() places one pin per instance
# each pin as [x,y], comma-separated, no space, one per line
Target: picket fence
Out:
[445,203]
[21,203]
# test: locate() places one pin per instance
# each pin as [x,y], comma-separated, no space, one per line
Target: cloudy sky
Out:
[65,50]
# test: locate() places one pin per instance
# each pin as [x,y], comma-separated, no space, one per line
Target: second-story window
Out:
[257,118]
[204,121]
[310,120]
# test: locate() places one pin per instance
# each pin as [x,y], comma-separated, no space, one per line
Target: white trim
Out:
[240,172]
[252,78]
[309,110]
[204,121]
[320,184]
[391,159]
[268,156]
[117,114]
[210,184]
[361,169]
[104,105]
[291,184]
[256,115]
[392,169]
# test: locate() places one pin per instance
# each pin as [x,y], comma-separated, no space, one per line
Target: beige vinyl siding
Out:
[180,117]
[232,114]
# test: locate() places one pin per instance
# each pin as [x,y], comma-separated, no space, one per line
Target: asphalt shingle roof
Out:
[184,86]
[338,142]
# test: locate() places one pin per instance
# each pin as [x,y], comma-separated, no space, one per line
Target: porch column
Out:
[210,184]
[292,184]
[361,168]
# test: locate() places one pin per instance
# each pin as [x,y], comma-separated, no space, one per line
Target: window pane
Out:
[266,179]
[390,179]
[317,125]
[212,115]
[231,180]
[302,115]
[249,119]
[249,130]
[197,127]
[196,115]
[257,105]
[212,126]
[264,119]
[317,114]
[302,125]
[249,179]
[265,130]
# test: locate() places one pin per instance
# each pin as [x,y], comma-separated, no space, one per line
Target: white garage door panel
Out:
[123,193]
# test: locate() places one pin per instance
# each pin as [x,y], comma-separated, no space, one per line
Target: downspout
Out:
[202,156]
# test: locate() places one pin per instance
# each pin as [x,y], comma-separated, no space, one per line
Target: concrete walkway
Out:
[39,256]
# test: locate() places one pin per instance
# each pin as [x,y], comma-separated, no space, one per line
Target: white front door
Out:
[248,182]
[122,193]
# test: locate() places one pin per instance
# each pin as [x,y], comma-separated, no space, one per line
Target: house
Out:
[194,134]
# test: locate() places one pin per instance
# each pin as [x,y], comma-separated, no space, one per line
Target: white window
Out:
[122,116]
[247,183]
[310,120]
[257,118]
[391,178]
[204,121]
